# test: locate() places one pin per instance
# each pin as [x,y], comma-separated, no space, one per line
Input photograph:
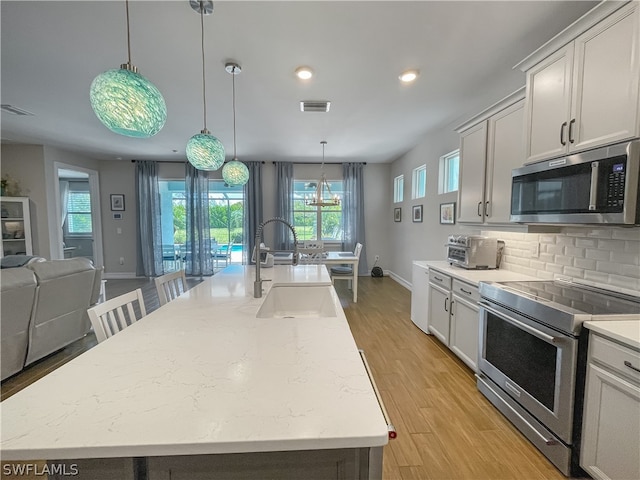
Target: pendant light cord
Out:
[233,97]
[128,34]
[204,91]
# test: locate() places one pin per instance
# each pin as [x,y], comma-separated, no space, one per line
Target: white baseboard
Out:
[400,280]
[119,276]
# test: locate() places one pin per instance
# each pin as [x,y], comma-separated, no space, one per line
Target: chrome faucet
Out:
[257,284]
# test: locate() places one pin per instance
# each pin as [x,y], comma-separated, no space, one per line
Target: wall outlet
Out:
[121,260]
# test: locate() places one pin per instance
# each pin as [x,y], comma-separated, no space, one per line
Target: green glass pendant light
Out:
[204,151]
[126,102]
[234,173]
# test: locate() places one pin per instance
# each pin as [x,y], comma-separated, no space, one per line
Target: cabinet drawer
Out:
[438,278]
[615,356]
[465,290]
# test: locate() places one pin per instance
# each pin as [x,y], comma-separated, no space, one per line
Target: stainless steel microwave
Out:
[597,186]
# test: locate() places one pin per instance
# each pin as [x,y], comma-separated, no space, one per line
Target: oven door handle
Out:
[519,324]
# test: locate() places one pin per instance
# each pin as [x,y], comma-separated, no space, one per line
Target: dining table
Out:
[329,258]
[207,384]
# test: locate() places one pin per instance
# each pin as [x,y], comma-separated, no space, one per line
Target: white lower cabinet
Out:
[420,295]
[611,417]
[463,335]
[453,315]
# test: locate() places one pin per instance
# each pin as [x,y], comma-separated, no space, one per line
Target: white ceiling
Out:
[52,50]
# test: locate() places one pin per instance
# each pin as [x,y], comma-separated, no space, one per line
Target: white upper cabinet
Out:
[504,153]
[473,155]
[490,147]
[586,93]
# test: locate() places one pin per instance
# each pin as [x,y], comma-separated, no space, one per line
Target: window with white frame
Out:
[398,189]
[316,223]
[78,221]
[419,182]
[449,172]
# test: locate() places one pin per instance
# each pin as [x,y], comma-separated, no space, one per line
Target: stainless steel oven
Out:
[531,361]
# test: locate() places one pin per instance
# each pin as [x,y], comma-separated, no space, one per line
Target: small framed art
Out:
[417,213]
[448,213]
[397,214]
[117,202]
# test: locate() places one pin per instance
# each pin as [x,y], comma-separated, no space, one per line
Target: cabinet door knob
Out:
[562,127]
[571,123]
[445,304]
[479,212]
[486,209]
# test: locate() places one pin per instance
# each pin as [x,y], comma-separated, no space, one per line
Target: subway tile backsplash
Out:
[606,256]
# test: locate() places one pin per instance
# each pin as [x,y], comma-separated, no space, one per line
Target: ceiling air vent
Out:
[5,107]
[314,105]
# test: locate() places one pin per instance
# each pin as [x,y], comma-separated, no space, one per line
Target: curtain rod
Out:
[176,161]
[320,163]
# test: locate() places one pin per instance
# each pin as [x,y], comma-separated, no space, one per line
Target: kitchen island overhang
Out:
[202,376]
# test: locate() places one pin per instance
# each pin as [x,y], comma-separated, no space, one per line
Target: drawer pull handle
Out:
[627,363]
[465,291]
[438,278]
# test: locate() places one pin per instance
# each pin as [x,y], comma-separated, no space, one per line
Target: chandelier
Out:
[323,196]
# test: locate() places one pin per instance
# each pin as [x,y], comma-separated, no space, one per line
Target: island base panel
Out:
[359,463]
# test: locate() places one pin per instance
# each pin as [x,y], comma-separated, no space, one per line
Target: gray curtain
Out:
[198,256]
[353,211]
[149,236]
[252,207]
[284,199]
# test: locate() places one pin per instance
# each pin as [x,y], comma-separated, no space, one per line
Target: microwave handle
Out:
[593,192]
[519,324]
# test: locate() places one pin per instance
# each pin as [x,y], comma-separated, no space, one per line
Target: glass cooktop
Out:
[581,298]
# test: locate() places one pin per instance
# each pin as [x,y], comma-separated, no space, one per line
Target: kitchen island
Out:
[202,386]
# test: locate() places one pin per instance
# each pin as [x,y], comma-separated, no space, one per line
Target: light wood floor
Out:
[446,428]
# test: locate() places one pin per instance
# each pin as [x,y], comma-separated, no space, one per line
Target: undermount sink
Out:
[291,301]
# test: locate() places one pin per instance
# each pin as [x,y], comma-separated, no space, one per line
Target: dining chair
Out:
[346,272]
[170,286]
[114,315]
[311,252]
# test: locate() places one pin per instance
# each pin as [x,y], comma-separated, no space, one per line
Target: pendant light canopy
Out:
[323,196]
[204,151]
[234,173]
[126,102]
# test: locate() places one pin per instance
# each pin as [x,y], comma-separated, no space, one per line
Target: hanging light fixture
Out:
[204,151]
[126,102]
[323,196]
[234,173]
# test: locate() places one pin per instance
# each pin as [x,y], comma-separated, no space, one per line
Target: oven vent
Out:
[7,108]
[315,106]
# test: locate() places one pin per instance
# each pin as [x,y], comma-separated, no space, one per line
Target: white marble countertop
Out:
[475,276]
[626,332]
[203,375]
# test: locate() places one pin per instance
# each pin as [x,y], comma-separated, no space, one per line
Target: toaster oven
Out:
[472,251]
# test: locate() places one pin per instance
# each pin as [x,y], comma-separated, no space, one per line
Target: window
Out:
[79,213]
[398,189]
[449,172]
[316,223]
[419,182]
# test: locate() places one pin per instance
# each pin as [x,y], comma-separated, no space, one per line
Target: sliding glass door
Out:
[226,210]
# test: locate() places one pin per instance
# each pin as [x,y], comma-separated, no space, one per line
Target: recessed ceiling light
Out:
[409,76]
[304,73]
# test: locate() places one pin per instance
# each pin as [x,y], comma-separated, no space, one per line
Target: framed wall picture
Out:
[397,214]
[448,213]
[117,202]
[417,213]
